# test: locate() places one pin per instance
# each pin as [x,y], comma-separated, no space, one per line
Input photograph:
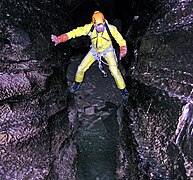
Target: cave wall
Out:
[35,131]
[160,82]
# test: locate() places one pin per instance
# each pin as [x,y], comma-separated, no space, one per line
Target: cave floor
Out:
[97,100]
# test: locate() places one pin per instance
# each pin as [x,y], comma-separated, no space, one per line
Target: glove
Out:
[123,51]
[59,39]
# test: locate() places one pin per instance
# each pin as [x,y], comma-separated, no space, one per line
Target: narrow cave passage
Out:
[97,135]
[150,137]
[99,99]
[155,123]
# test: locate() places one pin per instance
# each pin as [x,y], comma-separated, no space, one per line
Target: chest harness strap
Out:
[98,55]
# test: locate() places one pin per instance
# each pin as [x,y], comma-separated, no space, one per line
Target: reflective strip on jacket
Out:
[100,41]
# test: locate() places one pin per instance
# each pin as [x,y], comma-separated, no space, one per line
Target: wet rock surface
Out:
[97,102]
[35,131]
[153,136]
[161,85]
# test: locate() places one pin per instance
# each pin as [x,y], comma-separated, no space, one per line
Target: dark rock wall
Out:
[161,88]
[128,159]
[35,130]
[36,126]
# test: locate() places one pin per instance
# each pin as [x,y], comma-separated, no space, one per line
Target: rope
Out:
[98,56]
[101,67]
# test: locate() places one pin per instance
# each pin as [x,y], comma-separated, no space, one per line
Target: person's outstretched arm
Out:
[79,31]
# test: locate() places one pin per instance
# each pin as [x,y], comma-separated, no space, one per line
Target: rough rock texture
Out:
[97,102]
[128,159]
[35,131]
[38,120]
[161,88]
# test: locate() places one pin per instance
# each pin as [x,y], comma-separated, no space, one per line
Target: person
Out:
[99,31]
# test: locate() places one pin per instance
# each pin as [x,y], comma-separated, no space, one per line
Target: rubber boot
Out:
[75,87]
[125,93]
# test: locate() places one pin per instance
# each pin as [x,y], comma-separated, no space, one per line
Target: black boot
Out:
[125,93]
[75,87]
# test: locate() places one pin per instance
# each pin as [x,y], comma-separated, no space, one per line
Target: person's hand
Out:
[123,52]
[55,39]
[59,39]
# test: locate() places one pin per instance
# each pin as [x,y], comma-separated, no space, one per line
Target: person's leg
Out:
[82,68]
[111,60]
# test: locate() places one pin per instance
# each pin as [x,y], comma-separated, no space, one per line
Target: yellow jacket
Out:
[100,41]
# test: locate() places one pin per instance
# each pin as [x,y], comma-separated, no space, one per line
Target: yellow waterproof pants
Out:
[110,59]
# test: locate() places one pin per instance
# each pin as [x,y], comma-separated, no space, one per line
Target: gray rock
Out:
[89,111]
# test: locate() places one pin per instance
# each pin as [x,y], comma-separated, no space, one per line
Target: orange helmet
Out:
[98,18]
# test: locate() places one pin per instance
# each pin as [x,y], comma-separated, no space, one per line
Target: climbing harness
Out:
[99,55]
[99,59]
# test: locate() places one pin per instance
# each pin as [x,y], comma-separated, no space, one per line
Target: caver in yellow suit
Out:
[99,31]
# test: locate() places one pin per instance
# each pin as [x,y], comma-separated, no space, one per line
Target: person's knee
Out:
[115,72]
[80,69]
